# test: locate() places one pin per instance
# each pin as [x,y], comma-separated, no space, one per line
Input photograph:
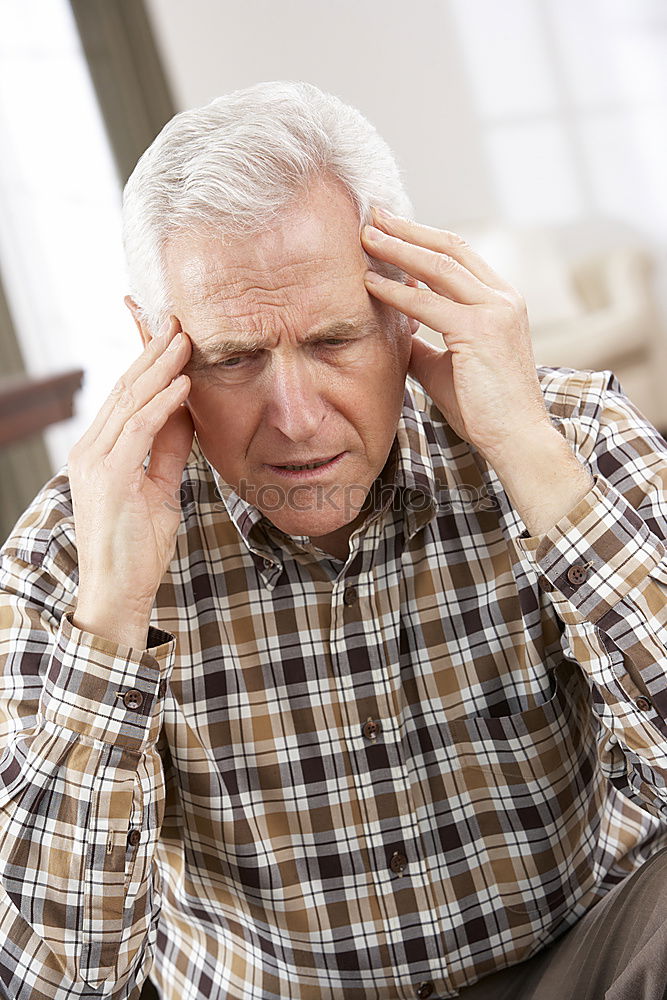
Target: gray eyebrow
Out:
[202,356]
[219,350]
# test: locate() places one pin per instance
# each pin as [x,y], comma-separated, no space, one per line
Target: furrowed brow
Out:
[339,329]
[205,356]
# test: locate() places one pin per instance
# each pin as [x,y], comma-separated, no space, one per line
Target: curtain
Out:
[24,466]
[127,74]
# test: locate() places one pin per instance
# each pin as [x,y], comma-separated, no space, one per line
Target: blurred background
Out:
[535,128]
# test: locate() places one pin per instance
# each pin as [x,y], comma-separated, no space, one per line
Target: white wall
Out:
[400,63]
[518,111]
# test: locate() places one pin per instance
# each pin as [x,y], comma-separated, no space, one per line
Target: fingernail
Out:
[373,277]
[382,213]
[176,342]
[371,233]
[164,329]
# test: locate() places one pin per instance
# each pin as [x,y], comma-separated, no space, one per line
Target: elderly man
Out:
[356,687]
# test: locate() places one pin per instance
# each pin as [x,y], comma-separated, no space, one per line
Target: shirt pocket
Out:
[659,575]
[536,796]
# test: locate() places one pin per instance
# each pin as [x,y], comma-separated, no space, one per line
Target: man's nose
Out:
[295,405]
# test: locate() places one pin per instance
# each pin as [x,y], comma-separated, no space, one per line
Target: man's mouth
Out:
[314,467]
[315,464]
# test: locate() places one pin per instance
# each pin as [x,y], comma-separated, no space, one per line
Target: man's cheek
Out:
[202,413]
[202,399]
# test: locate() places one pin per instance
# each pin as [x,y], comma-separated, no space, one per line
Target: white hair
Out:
[239,163]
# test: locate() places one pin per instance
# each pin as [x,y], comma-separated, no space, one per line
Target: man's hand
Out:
[126,516]
[484,382]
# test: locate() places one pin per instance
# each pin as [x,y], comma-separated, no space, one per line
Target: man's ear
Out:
[136,315]
[413,324]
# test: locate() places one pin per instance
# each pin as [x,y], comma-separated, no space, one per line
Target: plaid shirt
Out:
[381,778]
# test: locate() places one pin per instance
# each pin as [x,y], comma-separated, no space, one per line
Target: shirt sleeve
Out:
[604,567]
[81,793]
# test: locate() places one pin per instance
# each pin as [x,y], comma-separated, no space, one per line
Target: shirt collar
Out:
[415,473]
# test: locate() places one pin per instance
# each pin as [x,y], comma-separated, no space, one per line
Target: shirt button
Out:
[398,863]
[133,699]
[162,688]
[643,704]
[577,574]
[424,991]
[134,837]
[371,729]
[267,564]
[349,595]
[544,584]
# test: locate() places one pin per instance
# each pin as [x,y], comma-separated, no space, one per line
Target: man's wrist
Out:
[117,624]
[542,477]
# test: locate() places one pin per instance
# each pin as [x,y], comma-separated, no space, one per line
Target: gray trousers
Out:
[616,951]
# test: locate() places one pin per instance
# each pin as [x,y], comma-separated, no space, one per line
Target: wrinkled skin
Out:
[292,400]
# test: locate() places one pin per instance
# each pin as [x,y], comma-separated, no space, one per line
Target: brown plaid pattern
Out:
[218,809]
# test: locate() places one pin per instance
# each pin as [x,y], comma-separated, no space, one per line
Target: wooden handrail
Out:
[28,405]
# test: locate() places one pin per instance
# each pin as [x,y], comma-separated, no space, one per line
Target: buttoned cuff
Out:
[595,555]
[105,690]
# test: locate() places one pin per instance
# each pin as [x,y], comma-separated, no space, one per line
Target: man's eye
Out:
[236,360]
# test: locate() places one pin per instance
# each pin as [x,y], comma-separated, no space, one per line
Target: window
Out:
[60,240]
[571,96]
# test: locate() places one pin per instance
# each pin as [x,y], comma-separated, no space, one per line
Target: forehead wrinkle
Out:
[277,267]
[217,283]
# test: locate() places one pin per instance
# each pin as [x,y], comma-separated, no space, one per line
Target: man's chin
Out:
[315,512]
[310,527]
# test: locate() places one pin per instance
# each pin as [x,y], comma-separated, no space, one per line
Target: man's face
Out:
[292,362]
